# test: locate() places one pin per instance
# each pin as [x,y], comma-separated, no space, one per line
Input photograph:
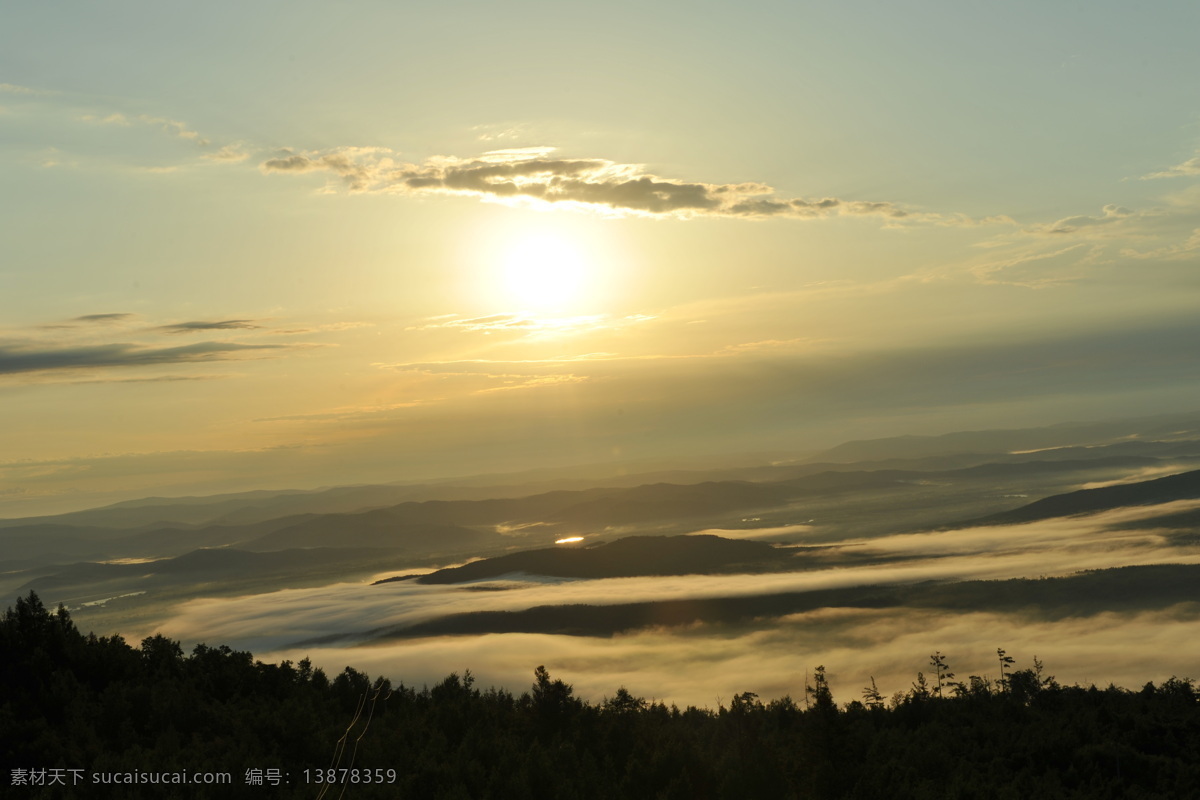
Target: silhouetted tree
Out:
[920,688]
[99,703]
[943,676]
[819,692]
[871,695]
[552,701]
[1006,663]
[624,703]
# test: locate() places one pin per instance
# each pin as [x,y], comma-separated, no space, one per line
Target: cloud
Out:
[491,133]
[1143,474]
[478,366]
[153,379]
[1047,548]
[1172,251]
[700,662]
[175,128]
[228,153]
[516,382]
[1016,270]
[115,317]
[115,118]
[481,377]
[1109,214]
[12,88]
[326,327]
[534,175]
[1092,246]
[16,360]
[1189,168]
[511,322]
[767,382]
[214,325]
[231,153]
[345,414]
[530,326]
[707,664]
[768,345]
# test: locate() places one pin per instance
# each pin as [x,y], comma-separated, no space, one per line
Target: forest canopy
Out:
[80,709]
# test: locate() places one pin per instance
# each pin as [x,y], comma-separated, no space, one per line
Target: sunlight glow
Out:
[544,271]
[569,540]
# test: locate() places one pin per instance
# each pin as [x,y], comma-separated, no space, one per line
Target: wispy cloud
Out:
[495,133]
[766,347]
[175,128]
[230,153]
[12,88]
[1037,269]
[152,379]
[113,317]
[524,382]
[486,377]
[529,325]
[1182,249]
[1189,168]
[211,325]
[16,360]
[1109,215]
[347,413]
[1083,246]
[116,118]
[170,127]
[325,328]
[535,175]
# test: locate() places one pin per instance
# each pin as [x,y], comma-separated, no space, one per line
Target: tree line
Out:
[100,705]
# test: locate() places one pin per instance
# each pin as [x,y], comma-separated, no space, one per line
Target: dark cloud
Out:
[154,379]
[102,317]
[533,174]
[294,163]
[210,325]
[15,360]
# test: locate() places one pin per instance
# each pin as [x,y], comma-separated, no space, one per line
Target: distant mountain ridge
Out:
[1003,441]
[1184,486]
[1161,437]
[450,525]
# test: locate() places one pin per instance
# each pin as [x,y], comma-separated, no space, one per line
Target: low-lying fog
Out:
[704,663]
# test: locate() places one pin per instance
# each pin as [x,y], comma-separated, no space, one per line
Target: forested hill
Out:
[627,557]
[150,715]
[1184,486]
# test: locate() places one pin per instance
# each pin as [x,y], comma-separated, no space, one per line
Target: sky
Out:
[293,245]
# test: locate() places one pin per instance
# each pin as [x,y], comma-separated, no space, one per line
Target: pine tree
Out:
[1006,663]
[871,695]
[944,677]
[819,692]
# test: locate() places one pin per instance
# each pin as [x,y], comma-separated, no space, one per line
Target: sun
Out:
[543,271]
[543,266]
